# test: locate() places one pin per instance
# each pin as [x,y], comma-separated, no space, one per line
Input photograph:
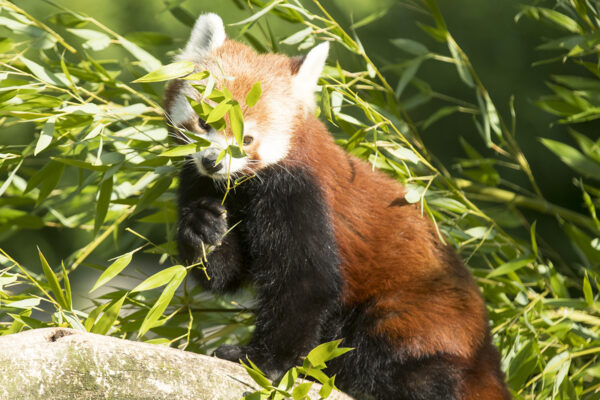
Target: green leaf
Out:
[587,145]
[67,284]
[168,72]
[556,362]
[53,282]
[461,66]
[326,104]
[265,9]
[153,193]
[573,158]
[301,391]
[439,114]
[185,149]
[10,178]
[89,321]
[149,39]
[113,270]
[183,16]
[79,164]
[534,245]
[552,16]
[6,44]
[104,193]
[159,279]
[147,61]
[73,321]
[45,136]
[94,40]
[253,95]
[236,121]
[381,12]
[108,318]
[288,379]
[43,74]
[588,293]
[198,76]
[297,37]
[511,266]
[327,388]
[407,75]
[410,46]
[218,112]
[151,319]
[436,14]
[24,304]
[257,375]
[51,179]
[325,352]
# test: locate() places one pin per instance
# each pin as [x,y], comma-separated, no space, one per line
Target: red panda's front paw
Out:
[202,223]
[231,352]
[240,353]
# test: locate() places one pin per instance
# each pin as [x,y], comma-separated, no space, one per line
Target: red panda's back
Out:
[418,290]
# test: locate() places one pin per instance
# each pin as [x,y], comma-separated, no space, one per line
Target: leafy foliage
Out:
[101,165]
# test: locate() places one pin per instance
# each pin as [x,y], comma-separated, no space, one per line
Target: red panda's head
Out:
[287,84]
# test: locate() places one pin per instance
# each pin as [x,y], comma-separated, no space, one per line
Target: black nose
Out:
[208,162]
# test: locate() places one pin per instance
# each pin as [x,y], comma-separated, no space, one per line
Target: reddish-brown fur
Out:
[429,302]
[426,299]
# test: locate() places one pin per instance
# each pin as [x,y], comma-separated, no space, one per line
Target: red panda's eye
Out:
[203,124]
[247,140]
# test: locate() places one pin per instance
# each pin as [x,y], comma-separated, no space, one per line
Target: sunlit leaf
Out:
[113,270]
[253,95]
[163,301]
[168,72]
[108,318]
[53,282]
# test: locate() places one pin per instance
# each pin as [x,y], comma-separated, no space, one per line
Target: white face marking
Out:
[274,143]
[231,165]
[180,111]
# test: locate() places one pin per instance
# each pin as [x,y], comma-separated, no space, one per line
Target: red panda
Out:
[331,246]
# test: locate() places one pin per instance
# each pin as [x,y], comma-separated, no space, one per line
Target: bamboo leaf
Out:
[45,136]
[168,72]
[218,112]
[103,202]
[185,149]
[53,282]
[265,9]
[301,391]
[67,284]
[588,293]
[153,193]
[253,95]
[160,278]
[94,40]
[147,61]
[113,270]
[236,121]
[573,158]
[511,266]
[410,46]
[151,319]
[108,318]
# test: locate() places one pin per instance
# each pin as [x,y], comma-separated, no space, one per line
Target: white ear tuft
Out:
[305,81]
[207,35]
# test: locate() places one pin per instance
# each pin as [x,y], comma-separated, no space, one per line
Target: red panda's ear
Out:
[308,73]
[207,35]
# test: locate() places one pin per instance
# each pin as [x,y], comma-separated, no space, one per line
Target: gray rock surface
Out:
[60,363]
